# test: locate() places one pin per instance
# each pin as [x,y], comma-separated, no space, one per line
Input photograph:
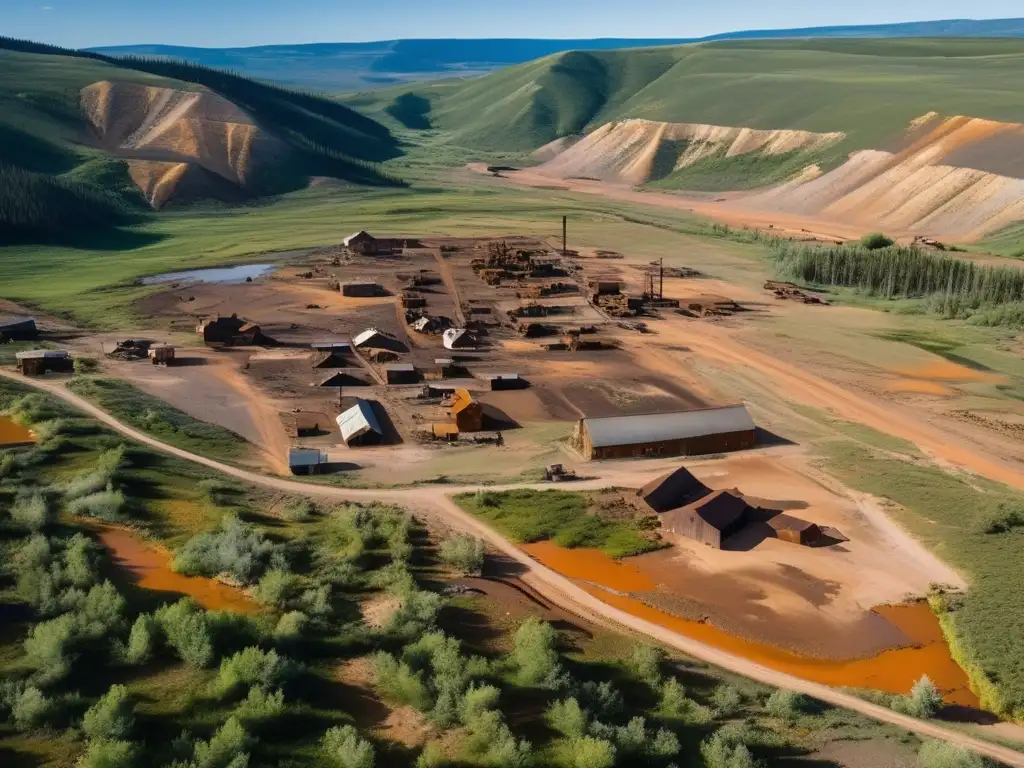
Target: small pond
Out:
[222,275]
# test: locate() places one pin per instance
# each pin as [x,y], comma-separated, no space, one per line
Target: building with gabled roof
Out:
[359,425]
[681,433]
[459,338]
[709,520]
[374,338]
[37,362]
[465,412]
[672,491]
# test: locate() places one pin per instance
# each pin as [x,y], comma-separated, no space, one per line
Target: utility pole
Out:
[661,275]
[565,236]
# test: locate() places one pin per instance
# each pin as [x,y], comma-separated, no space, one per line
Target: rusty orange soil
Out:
[893,671]
[947,371]
[919,387]
[13,433]
[151,569]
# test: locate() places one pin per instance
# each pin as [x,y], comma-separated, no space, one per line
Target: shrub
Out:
[727,699]
[184,625]
[300,511]
[236,548]
[111,718]
[109,754]
[567,718]
[101,612]
[533,654]
[417,612]
[344,748]
[590,752]
[725,750]
[290,626]
[48,648]
[104,505]
[432,756]
[941,754]
[463,553]
[225,749]
[925,700]
[876,240]
[602,699]
[141,640]
[276,588]
[477,700]
[251,667]
[260,707]
[85,364]
[490,742]
[33,512]
[30,709]
[645,663]
[399,683]
[80,561]
[786,705]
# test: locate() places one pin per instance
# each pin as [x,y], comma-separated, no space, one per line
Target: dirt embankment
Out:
[177,143]
[634,151]
[958,178]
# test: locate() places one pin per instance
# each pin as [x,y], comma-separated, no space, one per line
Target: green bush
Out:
[185,627]
[101,612]
[276,588]
[344,748]
[490,742]
[236,548]
[300,511]
[251,667]
[645,663]
[260,707]
[33,512]
[876,240]
[417,612]
[111,718]
[48,648]
[591,752]
[924,700]
[786,705]
[534,656]
[109,754]
[464,553]
[477,700]
[141,640]
[727,699]
[225,749]
[725,750]
[399,683]
[30,709]
[290,626]
[942,754]
[567,718]
[601,699]
[104,505]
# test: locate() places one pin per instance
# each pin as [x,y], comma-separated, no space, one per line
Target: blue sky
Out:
[217,23]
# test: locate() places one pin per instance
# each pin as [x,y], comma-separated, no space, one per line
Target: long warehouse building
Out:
[683,433]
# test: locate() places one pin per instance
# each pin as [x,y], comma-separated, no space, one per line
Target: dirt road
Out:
[551,585]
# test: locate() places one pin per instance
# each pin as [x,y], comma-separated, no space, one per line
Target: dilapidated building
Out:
[17,328]
[359,425]
[38,362]
[795,531]
[465,412]
[681,433]
[306,461]
[672,491]
[709,520]
[401,373]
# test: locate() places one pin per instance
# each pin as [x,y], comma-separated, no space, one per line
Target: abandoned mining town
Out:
[431,372]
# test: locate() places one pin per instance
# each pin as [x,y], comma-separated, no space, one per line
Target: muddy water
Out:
[151,568]
[12,433]
[894,671]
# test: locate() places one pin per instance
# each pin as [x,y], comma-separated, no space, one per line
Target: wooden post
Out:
[565,236]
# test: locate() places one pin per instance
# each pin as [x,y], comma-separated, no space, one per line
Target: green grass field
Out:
[527,516]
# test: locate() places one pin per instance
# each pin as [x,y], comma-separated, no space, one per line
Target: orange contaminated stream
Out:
[947,371]
[151,568]
[893,671]
[12,433]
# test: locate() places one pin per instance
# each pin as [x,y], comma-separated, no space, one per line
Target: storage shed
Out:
[161,354]
[401,373]
[710,520]
[672,491]
[794,530]
[230,331]
[344,378]
[682,433]
[17,328]
[306,461]
[505,381]
[466,413]
[359,425]
[37,362]
[373,338]
[360,288]
[362,242]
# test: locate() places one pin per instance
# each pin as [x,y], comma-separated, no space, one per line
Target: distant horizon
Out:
[85,24]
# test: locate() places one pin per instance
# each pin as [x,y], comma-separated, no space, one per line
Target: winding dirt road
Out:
[435,502]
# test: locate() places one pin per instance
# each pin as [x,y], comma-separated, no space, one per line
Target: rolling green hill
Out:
[868,89]
[55,177]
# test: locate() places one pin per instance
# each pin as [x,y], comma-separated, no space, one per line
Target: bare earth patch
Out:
[378,610]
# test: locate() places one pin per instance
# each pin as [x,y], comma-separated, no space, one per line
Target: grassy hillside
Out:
[55,183]
[870,89]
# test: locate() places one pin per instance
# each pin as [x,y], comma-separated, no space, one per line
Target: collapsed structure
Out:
[682,433]
[231,332]
[374,338]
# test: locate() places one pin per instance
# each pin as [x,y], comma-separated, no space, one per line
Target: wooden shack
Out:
[795,531]
[672,491]
[306,461]
[161,354]
[360,289]
[230,331]
[710,520]
[401,373]
[38,362]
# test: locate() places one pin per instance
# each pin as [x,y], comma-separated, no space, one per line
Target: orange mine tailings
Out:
[893,671]
[150,568]
[12,433]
